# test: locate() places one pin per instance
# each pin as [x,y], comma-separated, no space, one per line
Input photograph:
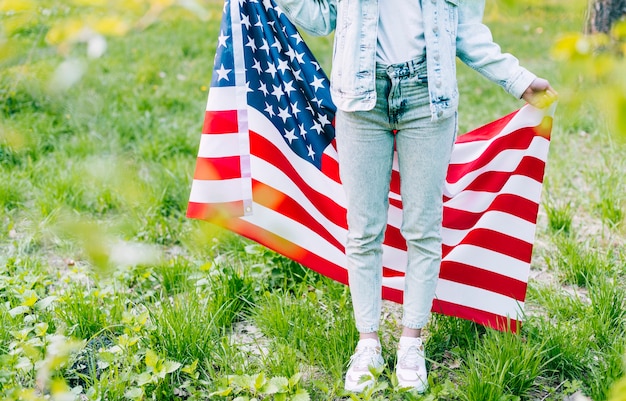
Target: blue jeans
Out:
[365,142]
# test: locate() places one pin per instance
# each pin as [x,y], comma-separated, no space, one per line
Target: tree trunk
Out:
[602,14]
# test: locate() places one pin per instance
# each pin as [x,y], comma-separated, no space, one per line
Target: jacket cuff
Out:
[519,84]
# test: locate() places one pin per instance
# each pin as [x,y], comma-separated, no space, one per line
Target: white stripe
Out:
[479,201]
[394,217]
[238,53]
[296,233]
[489,260]
[268,173]
[242,103]
[479,298]
[526,117]
[222,145]
[394,258]
[505,161]
[331,152]
[217,191]
[497,221]
[473,297]
[222,98]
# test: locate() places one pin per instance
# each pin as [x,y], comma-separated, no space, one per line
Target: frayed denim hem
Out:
[415,325]
[368,329]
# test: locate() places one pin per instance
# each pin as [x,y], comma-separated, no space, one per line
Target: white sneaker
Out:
[411,366]
[367,355]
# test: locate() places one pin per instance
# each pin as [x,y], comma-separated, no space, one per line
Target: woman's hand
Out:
[540,94]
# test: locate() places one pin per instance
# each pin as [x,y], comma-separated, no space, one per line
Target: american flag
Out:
[267,169]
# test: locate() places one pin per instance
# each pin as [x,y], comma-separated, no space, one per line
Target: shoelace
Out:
[363,357]
[410,358]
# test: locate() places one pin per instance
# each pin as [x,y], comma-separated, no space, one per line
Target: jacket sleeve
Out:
[476,48]
[316,17]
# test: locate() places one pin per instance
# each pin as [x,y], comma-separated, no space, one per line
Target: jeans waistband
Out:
[401,70]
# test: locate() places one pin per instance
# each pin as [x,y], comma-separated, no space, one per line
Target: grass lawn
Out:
[107,292]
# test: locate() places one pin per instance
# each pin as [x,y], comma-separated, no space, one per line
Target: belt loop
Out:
[413,67]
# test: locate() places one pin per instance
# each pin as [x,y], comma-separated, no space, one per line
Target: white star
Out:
[278,11]
[294,109]
[291,53]
[278,46]
[297,37]
[318,101]
[271,69]
[277,92]
[267,4]
[284,114]
[248,89]
[296,74]
[288,87]
[283,65]
[265,46]
[300,57]
[311,153]
[289,135]
[324,119]
[222,39]
[257,66]
[302,131]
[317,66]
[309,107]
[317,83]
[263,88]
[251,44]
[269,109]
[245,20]
[317,127]
[222,73]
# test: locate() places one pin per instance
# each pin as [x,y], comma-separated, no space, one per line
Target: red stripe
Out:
[214,211]
[265,149]
[287,248]
[511,204]
[275,200]
[387,272]
[480,278]
[494,181]
[485,318]
[395,202]
[495,241]
[518,140]
[488,131]
[220,122]
[217,168]
[330,168]
[395,182]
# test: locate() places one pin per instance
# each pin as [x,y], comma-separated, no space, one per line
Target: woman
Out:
[394,84]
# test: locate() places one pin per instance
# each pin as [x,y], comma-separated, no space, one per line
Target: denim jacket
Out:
[452,28]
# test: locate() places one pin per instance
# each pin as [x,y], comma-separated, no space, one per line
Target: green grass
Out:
[94,242]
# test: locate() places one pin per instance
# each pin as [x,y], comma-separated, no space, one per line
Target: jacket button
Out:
[436,57]
[438,83]
[436,29]
[440,113]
